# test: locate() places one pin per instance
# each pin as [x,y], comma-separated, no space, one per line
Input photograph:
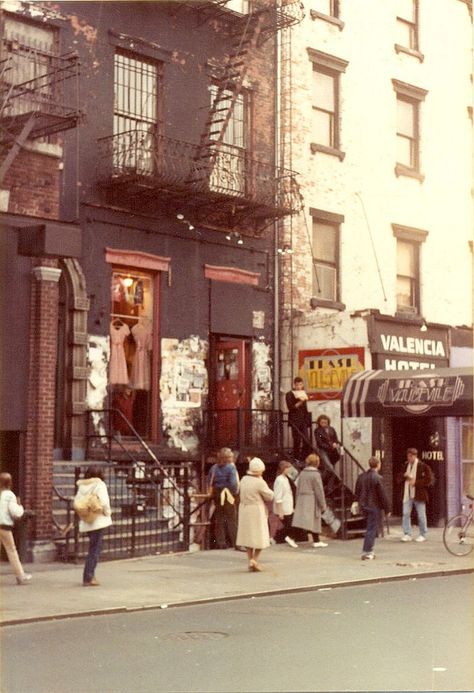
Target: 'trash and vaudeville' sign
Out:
[325,371]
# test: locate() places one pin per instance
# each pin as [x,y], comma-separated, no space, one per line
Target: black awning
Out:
[437,392]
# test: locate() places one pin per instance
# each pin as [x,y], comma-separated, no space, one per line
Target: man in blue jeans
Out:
[371,496]
[417,477]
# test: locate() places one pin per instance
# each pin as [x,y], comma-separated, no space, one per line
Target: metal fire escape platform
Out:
[37,107]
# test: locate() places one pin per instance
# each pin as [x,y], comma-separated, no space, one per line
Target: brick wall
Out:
[41,399]
[33,181]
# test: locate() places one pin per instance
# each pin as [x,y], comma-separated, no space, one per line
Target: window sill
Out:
[409,51]
[407,315]
[327,150]
[401,170]
[327,18]
[323,303]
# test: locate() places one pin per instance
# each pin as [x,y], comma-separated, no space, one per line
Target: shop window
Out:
[467,456]
[131,338]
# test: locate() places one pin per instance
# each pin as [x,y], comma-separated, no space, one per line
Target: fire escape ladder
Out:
[16,146]
[229,87]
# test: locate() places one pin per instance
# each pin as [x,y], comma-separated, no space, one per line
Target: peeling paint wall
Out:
[184,388]
[98,354]
[261,376]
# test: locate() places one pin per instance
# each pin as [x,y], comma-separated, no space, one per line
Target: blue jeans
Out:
[420,512]
[372,515]
[95,545]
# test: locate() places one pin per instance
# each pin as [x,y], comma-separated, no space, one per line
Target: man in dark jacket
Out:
[328,445]
[417,477]
[298,418]
[371,496]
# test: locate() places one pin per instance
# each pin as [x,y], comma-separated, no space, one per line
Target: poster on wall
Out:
[325,371]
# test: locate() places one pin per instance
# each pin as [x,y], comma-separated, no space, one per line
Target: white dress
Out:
[140,376]
[118,374]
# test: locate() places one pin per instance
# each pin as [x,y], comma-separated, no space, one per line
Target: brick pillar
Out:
[41,396]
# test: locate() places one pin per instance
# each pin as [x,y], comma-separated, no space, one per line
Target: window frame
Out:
[320,216]
[408,93]
[333,17]
[414,25]
[332,66]
[415,237]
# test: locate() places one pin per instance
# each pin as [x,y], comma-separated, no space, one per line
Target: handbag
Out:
[88,506]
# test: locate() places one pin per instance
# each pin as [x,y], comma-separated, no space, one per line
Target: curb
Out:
[236,597]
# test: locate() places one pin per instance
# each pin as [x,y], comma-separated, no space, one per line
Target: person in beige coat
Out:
[252,530]
[310,501]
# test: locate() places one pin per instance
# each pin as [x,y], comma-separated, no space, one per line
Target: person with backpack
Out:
[416,477]
[92,504]
[371,497]
[11,510]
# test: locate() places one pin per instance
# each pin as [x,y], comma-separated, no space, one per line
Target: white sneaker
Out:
[406,537]
[421,538]
[291,542]
[319,545]
[368,556]
[24,579]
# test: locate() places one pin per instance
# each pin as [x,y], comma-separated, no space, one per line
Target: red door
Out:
[231,392]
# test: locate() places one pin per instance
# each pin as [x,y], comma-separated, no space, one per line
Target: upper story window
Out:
[240,6]
[327,10]
[326,231]
[408,268]
[31,49]
[409,99]
[135,112]
[327,70]
[407,24]
[229,165]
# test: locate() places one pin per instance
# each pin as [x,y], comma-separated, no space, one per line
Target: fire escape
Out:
[213,180]
[34,102]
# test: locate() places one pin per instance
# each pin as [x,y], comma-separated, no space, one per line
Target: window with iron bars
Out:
[31,51]
[136,91]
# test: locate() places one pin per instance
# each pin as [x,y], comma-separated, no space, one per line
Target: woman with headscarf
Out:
[252,530]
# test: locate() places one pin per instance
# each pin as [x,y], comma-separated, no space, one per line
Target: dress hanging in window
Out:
[118,374]
[140,377]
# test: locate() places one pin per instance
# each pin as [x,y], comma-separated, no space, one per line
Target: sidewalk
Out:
[171,580]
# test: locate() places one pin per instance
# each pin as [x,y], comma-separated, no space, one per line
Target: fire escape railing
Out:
[167,164]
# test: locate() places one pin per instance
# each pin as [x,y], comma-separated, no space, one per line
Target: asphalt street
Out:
[413,635]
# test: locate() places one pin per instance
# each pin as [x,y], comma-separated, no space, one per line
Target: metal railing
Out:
[151,510]
[164,163]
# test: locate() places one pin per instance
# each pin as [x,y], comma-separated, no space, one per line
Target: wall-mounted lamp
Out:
[424,326]
[286,250]
[234,236]
[180,216]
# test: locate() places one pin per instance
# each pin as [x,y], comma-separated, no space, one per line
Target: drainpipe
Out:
[276,266]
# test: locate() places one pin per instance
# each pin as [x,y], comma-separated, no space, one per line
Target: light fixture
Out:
[286,250]
[228,237]
[240,241]
[128,281]
[180,217]
[423,327]
[190,227]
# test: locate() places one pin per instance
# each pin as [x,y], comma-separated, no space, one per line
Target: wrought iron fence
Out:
[151,509]
[164,162]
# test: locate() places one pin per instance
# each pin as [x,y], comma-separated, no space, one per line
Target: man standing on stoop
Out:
[371,496]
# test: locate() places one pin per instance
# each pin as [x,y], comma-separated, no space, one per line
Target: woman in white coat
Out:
[93,483]
[252,530]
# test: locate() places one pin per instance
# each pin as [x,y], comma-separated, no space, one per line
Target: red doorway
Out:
[230,373]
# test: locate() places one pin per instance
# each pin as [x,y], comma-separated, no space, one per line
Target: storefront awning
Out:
[431,392]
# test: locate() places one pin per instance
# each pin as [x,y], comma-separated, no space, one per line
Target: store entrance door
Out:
[231,389]
[427,435]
